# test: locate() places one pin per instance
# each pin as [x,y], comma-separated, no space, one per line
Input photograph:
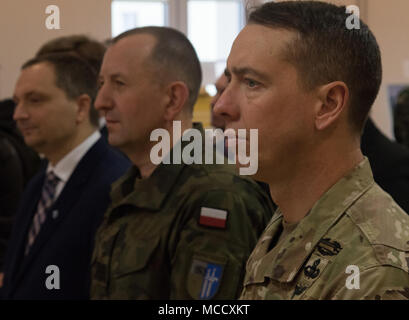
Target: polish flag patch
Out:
[213,217]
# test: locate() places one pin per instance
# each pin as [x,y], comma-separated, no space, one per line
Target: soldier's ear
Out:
[177,96]
[333,99]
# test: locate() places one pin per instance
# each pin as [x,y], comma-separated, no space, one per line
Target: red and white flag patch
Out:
[213,217]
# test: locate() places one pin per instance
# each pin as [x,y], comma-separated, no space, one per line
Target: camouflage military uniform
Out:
[353,244]
[183,233]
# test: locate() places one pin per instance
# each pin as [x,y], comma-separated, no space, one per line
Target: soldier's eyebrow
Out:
[240,72]
[31,93]
[117,75]
[112,76]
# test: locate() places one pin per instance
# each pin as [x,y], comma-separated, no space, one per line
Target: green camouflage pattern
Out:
[355,224]
[151,245]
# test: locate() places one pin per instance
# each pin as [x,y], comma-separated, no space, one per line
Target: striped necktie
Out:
[46,200]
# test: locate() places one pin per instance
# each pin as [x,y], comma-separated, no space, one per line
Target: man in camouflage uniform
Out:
[307,85]
[173,231]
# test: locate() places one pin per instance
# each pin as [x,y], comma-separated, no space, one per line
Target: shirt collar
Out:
[65,167]
[101,122]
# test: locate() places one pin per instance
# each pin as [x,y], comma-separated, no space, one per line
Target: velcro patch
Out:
[213,217]
[211,275]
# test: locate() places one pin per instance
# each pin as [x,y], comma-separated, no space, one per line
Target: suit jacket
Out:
[18,164]
[389,162]
[104,132]
[66,238]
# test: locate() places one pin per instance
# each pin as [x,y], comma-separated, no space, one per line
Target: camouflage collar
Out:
[324,214]
[151,192]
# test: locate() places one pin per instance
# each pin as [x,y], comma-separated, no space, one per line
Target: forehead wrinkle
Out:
[240,71]
[264,41]
[128,60]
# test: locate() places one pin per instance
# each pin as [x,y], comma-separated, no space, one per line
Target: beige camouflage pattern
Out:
[354,224]
[151,245]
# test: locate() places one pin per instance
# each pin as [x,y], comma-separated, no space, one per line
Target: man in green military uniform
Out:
[173,231]
[307,85]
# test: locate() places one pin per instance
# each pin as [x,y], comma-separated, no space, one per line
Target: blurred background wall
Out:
[23,31]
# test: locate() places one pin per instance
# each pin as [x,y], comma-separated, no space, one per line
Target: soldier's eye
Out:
[251,83]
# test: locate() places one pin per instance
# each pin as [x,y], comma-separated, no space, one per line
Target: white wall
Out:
[390,24]
[23,30]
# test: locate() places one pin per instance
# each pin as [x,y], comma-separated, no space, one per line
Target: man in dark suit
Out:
[52,239]
[389,162]
[18,164]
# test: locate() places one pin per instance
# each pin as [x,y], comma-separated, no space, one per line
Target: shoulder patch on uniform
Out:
[211,276]
[211,217]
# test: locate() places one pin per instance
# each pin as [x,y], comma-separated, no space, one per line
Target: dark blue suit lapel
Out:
[27,210]
[66,200]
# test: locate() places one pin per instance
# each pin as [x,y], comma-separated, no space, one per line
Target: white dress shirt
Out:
[65,167]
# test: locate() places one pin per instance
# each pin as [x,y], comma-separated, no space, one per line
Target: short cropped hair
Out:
[325,50]
[73,75]
[88,49]
[174,56]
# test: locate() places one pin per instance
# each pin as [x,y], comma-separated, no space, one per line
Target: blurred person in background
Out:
[389,163]
[85,47]
[64,203]
[18,163]
[401,118]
